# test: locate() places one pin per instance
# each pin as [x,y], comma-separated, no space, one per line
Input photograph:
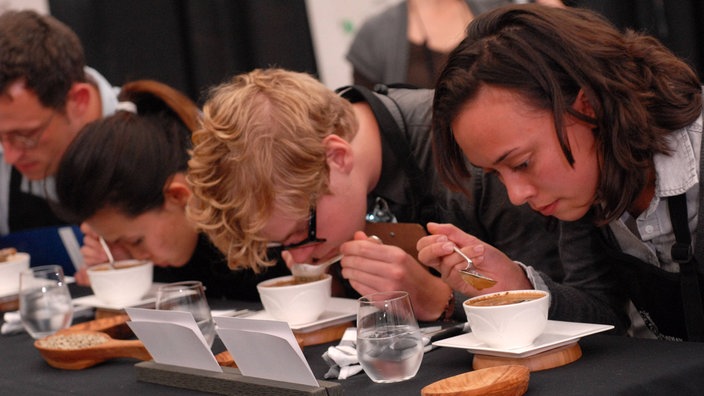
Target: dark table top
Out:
[609,365]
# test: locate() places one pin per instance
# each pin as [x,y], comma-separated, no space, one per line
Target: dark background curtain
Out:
[189,44]
[679,24]
[194,44]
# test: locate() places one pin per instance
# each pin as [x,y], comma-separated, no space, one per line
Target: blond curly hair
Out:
[261,147]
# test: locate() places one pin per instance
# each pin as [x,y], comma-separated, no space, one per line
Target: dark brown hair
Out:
[639,90]
[44,52]
[124,161]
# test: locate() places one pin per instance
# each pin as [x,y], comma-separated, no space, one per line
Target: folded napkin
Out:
[343,360]
[13,324]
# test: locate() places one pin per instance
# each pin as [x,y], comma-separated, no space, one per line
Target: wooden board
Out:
[229,382]
[552,358]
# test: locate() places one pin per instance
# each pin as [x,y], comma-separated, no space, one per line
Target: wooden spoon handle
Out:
[125,349]
[115,326]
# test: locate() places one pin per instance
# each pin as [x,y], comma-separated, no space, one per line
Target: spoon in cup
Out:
[471,276]
[106,248]
[304,272]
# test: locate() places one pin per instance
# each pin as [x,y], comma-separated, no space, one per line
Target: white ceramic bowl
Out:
[295,304]
[123,286]
[511,325]
[10,273]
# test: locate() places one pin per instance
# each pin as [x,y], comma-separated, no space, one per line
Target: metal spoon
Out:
[111,259]
[471,276]
[309,272]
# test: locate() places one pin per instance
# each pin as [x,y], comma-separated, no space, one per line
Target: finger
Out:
[288,258]
[87,230]
[453,233]
[426,241]
[361,236]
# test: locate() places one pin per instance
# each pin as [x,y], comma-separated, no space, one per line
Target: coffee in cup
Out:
[508,319]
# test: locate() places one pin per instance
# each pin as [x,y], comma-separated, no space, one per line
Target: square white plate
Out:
[339,310]
[557,333]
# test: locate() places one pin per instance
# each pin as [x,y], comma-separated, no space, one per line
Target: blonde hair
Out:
[261,147]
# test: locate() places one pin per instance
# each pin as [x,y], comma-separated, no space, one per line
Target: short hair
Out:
[639,90]
[124,161]
[261,147]
[43,52]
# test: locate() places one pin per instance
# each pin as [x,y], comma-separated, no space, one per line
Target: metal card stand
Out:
[229,382]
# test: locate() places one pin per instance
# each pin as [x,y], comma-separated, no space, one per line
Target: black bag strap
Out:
[388,125]
[689,278]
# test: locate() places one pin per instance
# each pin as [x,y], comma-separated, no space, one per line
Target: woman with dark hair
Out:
[597,128]
[123,178]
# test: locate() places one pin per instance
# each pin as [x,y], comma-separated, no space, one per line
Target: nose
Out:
[302,254]
[11,154]
[519,190]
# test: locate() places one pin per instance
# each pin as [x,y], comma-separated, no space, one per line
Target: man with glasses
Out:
[281,161]
[47,95]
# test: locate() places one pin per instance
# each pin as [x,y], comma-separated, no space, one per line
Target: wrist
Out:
[448,310]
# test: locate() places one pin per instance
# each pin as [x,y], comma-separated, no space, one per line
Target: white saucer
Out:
[556,334]
[95,302]
[3,295]
[339,310]
[92,301]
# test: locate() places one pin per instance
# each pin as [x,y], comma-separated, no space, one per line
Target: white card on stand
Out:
[265,349]
[172,337]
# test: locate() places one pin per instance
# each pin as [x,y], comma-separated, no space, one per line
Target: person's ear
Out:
[78,103]
[177,191]
[583,105]
[339,153]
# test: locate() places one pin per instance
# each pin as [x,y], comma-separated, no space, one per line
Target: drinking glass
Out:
[188,296]
[44,301]
[389,342]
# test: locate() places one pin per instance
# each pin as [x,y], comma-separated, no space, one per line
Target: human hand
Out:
[370,267]
[436,251]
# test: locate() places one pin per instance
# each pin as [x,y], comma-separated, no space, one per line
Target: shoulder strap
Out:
[689,278]
[387,124]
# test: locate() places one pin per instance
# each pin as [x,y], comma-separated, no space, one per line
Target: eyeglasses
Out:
[25,140]
[311,239]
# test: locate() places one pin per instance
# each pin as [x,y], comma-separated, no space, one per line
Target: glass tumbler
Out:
[188,296]
[389,342]
[44,300]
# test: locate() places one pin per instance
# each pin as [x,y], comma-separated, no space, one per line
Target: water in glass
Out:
[44,301]
[389,342]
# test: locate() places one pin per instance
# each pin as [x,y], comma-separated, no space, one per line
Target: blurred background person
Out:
[47,95]
[409,41]
[123,177]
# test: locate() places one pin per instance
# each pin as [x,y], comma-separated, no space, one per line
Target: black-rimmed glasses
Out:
[311,239]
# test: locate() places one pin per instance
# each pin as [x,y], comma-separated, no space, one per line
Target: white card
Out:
[172,337]
[265,349]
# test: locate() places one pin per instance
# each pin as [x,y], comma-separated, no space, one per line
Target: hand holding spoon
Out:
[471,276]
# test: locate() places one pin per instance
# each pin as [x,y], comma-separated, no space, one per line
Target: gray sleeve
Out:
[590,291]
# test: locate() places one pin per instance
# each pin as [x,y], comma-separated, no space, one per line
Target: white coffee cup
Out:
[508,319]
[123,286]
[10,272]
[295,303]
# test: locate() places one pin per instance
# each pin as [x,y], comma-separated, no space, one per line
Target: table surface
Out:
[609,365]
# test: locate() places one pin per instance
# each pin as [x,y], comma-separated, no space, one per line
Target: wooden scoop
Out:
[510,380]
[77,350]
[114,325]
